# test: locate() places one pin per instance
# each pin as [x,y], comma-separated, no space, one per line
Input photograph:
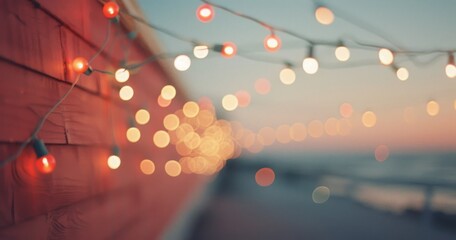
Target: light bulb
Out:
[287,76]
[200,51]
[450,70]
[228,50]
[142,116]
[272,43]
[45,162]
[386,56]
[310,65]
[168,92]
[122,75]
[205,13]
[182,62]
[342,53]
[133,134]
[230,102]
[110,10]
[126,93]
[324,15]
[114,162]
[80,65]
[402,73]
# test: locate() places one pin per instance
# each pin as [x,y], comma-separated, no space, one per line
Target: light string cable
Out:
[357,44]
[40,124]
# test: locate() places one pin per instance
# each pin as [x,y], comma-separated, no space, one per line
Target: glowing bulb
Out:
[171,122]
[114,162]
[126,93]
[321,194]
[346,110]
[287,76]
[122,75]
[45,162]
[402,73]
[173,168]
[265,177]
[161,139]
[190,109]
[369,119]
[168,92]
[80,65]
[243,98]
[205,13]
[147,167]
[230,102]
[142,116]
[272,43]
[182,62]
[342,53]
[201,51]
[386,56]
[133,134]
[110,10]
[432,108]
[450,70]
[310,65]
[324,15]
[228,50]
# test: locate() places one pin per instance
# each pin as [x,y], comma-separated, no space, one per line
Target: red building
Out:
[82,198]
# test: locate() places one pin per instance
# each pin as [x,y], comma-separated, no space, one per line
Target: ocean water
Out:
[401,183]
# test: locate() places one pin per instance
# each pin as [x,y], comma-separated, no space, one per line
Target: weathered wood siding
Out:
[82,198]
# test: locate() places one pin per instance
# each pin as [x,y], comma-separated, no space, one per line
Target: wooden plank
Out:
[81,172]
[112,215]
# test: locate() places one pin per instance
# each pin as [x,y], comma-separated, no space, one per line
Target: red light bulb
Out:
[110,10]
[45,164]
[205,13]
[228,50]
[80,65]
[272,43]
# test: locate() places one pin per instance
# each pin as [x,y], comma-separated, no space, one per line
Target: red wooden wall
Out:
[82,198]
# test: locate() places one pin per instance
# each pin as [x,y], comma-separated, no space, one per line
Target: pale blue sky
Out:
[414,24]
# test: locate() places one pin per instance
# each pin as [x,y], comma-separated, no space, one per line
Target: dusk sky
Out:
[400,106]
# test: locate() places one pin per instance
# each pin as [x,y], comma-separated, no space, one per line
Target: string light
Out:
[402,73]
[272,43]
[342,53]
[45,162]
[227,50]
[324,15]
[126,93]
[450,68]
[142,116]
[310,64]
[230,102]
[168,92]
[81,65]
[122,75]
[287,76]
[201,51]
[190,109]
[110,10]
[432,108]
[386,56]
[205,13]
[114,159]
[133,134]
[182,62]
[147,167]
[369,119]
